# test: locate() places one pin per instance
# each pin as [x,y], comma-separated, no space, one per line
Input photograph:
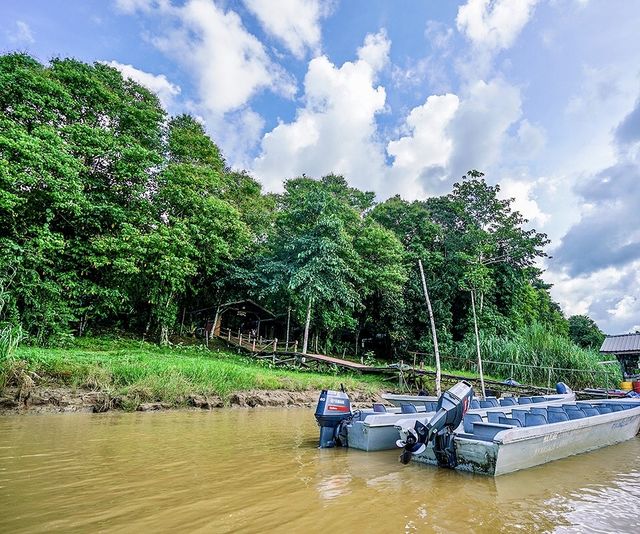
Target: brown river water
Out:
[259,470]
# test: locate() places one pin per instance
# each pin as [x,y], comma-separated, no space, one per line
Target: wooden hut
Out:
[626,349]
[245,316]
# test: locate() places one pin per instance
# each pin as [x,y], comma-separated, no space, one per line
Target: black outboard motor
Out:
[333,408]
[452,406]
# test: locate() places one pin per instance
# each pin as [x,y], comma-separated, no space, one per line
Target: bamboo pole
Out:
[433,332]
[286,346]
[305,341]
[475,326]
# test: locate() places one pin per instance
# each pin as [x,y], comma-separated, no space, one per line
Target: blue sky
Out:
[402,97]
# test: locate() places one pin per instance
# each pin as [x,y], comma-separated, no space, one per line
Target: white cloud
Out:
[528,142]
[158,83]
[229,64]
[335,131]
[22,34]
[296,23]
[523,192]
[494,24]
[131,6]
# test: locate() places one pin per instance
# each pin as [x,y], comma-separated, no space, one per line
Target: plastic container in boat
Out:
[636,387]
[626,386]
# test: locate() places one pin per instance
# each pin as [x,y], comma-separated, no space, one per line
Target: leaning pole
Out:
[433,328]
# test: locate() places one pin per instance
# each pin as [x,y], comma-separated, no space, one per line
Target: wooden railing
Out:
[257,343]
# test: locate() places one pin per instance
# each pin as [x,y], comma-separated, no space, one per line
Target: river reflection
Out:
[260,470]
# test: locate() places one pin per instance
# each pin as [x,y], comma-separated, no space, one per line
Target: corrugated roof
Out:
[621,344]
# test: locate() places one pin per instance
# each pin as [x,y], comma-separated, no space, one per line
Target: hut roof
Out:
[622,344]
[247,305]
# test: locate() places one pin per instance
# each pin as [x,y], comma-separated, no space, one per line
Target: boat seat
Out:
[615,407]
[493,417]
[474,405]
[603,409]
[583,405]
[576,414]
[557,417]
[488,431]
[519,415]
[468,420]
[534,419]
[507,401]
[542,411]
[539,398]
[408,408]
[555,409]
[379,408]
[524,400]
[590,412]
[431,406]
[509,421]
[489,403]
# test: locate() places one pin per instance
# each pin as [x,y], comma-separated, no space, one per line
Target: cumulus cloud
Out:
[230,65]
[494,24]
[335,131]
[21,33]
[158,83]
[296,23]
[602,250]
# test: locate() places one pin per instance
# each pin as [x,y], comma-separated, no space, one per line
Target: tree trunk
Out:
[288,323]
[164,335]
[305,341]
[475,325]
[433,330]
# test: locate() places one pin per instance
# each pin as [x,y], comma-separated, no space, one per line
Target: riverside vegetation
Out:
[117,217]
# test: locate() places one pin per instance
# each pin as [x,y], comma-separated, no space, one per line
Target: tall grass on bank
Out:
[143,372]
[10,337]
[536,356]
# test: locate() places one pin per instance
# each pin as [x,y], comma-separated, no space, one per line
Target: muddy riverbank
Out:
[64,400]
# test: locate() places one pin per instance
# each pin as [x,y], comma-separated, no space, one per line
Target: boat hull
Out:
[520,448]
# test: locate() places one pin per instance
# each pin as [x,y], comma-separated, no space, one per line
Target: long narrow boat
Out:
[369,430]
[519,436]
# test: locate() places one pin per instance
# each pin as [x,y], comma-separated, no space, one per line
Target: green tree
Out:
[583,331]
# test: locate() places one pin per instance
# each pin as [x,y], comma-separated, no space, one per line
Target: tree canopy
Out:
[115,215]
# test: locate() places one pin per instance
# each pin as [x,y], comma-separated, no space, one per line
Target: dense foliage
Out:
[114,215]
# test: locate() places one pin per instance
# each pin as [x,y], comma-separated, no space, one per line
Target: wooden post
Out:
[305,341]
[184,310]
[549,380]
[275,345]
[240,339]
[400,375]
[433,332]
[229,335]
[475,326]
[286,346]
[253,348]
[295,346]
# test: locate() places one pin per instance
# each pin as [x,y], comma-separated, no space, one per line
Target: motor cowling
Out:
[452,405]
[333,408]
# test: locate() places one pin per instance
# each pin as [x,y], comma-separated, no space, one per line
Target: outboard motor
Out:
[452,406]
[562,388]
[333,408]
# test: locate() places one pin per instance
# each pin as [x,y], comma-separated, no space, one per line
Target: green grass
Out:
[528,355]
[143,372]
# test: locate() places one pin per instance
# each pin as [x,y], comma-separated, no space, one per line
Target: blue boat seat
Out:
[493,417]
[534,419]
[488,431]
[519,415]
[507,401]
[408,408]
[557,417]
[379,408]
[542,411]
[468,420]
[604,409]
[583,405]
[539,398]
[489,402]
[431,406]
[576,414]
[524,400]
[555,409]
[615,407]
[474,404]
[508,421]
[590,412]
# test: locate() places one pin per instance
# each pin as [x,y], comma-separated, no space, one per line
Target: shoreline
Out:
[55,400]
